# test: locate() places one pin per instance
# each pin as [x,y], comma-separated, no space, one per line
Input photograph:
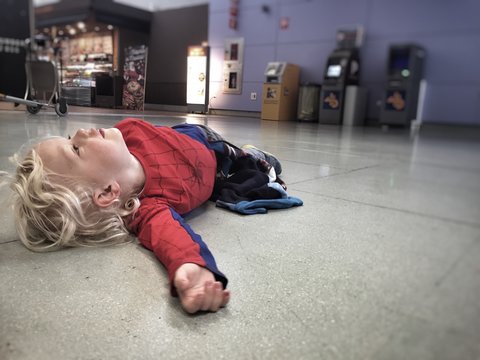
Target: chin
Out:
[113,133]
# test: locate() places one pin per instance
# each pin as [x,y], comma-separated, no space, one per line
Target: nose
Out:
[82,133]
[79,133]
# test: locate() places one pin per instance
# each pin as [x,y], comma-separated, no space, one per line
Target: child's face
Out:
[97,156]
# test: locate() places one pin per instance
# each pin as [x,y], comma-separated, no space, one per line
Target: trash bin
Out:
[308,101]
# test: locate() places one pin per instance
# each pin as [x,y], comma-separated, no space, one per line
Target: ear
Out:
[104,197]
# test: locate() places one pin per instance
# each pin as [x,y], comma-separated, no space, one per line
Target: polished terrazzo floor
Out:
[381,262]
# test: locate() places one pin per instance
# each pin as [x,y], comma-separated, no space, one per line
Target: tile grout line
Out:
[8,242]
[453,266]
[410,212]
[332,175]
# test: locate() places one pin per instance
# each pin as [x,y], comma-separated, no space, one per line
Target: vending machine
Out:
[404,74]
[198,66]
[280,91]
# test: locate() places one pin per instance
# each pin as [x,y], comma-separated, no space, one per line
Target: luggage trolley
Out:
[42,83]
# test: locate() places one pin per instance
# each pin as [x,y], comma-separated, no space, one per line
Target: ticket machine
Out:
[341,70]
[404,73]
[280,91]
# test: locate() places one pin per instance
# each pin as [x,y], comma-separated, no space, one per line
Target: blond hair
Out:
[49,215]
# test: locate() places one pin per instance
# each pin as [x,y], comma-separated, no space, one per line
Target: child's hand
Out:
[198,290]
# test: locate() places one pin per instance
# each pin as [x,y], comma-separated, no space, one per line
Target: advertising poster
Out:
[197,75]
[134,75]
[396,100]
[332,100]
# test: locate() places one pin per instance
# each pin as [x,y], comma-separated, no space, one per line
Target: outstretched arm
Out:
[191,267]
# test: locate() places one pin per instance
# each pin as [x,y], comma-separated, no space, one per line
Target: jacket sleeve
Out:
[162,230]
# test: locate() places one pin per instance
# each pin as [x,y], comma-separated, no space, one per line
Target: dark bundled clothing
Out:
[247,182]
[249,191]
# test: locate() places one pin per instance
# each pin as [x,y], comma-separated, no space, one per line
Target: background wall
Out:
[14,29]
[171,33]
[449,31]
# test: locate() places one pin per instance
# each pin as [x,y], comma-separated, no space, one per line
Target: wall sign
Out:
[233,19]
[284,23]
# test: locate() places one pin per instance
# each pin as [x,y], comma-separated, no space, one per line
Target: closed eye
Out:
[74,147]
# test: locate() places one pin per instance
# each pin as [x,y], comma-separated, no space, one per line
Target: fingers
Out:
[217,296]
[226,298]
[211,298]
[192,305]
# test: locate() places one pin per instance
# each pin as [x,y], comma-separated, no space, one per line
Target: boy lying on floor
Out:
[97,187]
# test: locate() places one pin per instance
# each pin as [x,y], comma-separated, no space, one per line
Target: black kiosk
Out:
[404,73]
[341,70]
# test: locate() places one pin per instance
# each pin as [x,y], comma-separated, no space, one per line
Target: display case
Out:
[85,29]
[84,58]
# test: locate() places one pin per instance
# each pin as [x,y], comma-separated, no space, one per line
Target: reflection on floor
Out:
[381,262]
